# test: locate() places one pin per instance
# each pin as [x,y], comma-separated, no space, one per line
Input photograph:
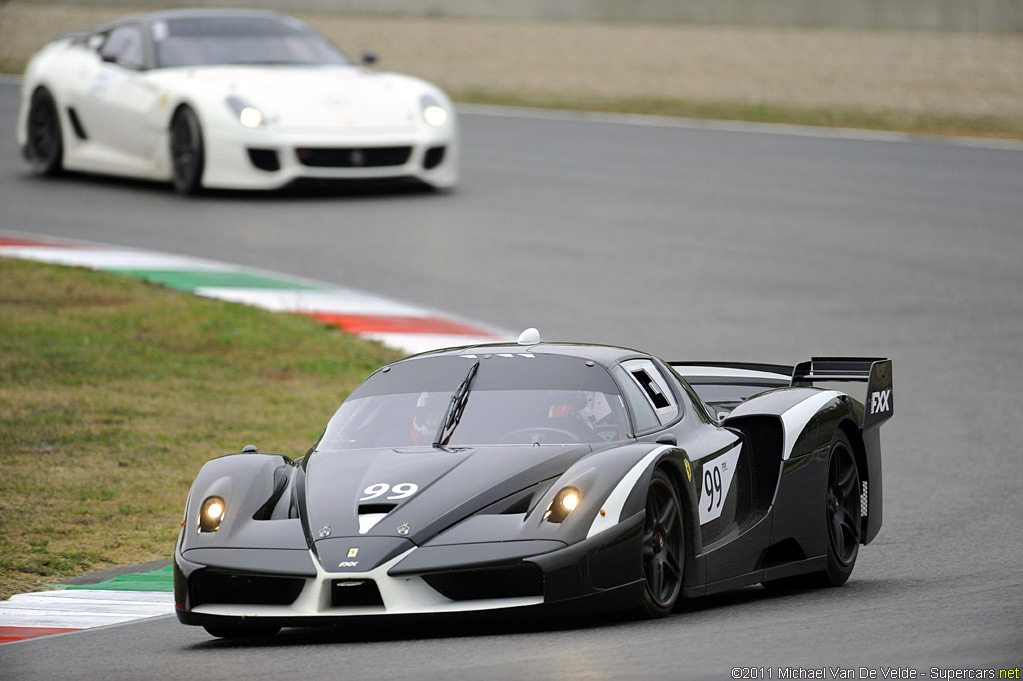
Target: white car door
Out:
[117,102]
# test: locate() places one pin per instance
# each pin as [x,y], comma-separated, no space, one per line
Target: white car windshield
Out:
[218,40]
[512,400]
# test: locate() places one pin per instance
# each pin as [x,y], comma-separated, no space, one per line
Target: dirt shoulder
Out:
[923,81]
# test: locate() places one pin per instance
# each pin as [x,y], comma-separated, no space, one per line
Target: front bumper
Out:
[236,158]
[603,572]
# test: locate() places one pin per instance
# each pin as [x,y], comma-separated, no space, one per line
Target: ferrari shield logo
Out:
[689,470]
[353,552]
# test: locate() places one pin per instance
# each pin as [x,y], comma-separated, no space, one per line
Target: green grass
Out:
[113,392]
[902,121]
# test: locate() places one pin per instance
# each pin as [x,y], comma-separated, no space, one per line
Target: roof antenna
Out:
[530,336]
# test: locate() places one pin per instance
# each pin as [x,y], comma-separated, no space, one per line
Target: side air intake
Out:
[764,436]
[510,581]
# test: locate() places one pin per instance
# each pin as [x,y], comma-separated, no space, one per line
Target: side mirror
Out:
[369,58]
[667,439]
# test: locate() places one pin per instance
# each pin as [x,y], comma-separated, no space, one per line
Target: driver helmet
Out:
[426,417]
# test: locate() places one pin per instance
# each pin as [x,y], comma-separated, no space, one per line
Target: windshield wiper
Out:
[454,413]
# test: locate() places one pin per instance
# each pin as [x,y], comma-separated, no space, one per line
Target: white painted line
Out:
[717,125]
[114,259]
[71,595]
[95,607]
[83,609]
[62,619]
[333,301]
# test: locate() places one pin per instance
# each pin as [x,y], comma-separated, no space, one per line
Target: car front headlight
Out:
[565,501]
[433,111]
[248,115]
[211,514]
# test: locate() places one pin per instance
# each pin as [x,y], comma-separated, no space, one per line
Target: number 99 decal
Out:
[402,490]
[712,488]
[717,479]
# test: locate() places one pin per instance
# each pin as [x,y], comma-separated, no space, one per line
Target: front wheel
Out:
[663,547]
[241,631]
[44,145]
[187,153]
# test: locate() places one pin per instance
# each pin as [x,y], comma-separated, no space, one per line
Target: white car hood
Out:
[321,97]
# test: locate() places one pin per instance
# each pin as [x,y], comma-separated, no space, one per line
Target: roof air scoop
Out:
[530,336]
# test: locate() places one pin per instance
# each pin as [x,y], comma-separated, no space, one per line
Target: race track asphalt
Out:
[694,243]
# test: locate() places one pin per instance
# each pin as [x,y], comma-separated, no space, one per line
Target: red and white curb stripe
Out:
[403,326]
[56,612]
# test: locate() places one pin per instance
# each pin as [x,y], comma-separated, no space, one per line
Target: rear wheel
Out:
[842,514]
[843,499]
[663,547]
[44,144]
[241,631]
[187,153]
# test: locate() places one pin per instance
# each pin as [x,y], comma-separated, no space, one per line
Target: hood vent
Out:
[371,514]
[266,511]
[521,502]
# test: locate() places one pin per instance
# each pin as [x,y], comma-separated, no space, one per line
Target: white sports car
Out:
[234,99]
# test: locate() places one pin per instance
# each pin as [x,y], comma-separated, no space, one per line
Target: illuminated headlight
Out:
[564,503]
[248,115]
[434,112]
[211,513]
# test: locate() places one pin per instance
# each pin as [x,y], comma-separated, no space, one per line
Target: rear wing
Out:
[876,372]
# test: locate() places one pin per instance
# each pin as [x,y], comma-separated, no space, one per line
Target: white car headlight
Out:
[433,111]
[247,114]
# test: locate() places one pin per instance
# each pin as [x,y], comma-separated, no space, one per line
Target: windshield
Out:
[212,40]
[516,399]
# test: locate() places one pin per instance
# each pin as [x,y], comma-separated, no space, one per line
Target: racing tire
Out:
[187,152]
[44,146]
[842,514]
[663,553]
[240,631]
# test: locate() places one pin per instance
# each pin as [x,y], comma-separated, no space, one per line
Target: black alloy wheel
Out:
[843,502]
[187,153]
[842,517]
[44,146]
[663,547]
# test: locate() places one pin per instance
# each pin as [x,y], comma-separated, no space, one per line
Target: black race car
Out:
[541,474]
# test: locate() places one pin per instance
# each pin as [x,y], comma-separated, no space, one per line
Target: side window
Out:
[123,46]
[655,388]
[699,405]
[642,412]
